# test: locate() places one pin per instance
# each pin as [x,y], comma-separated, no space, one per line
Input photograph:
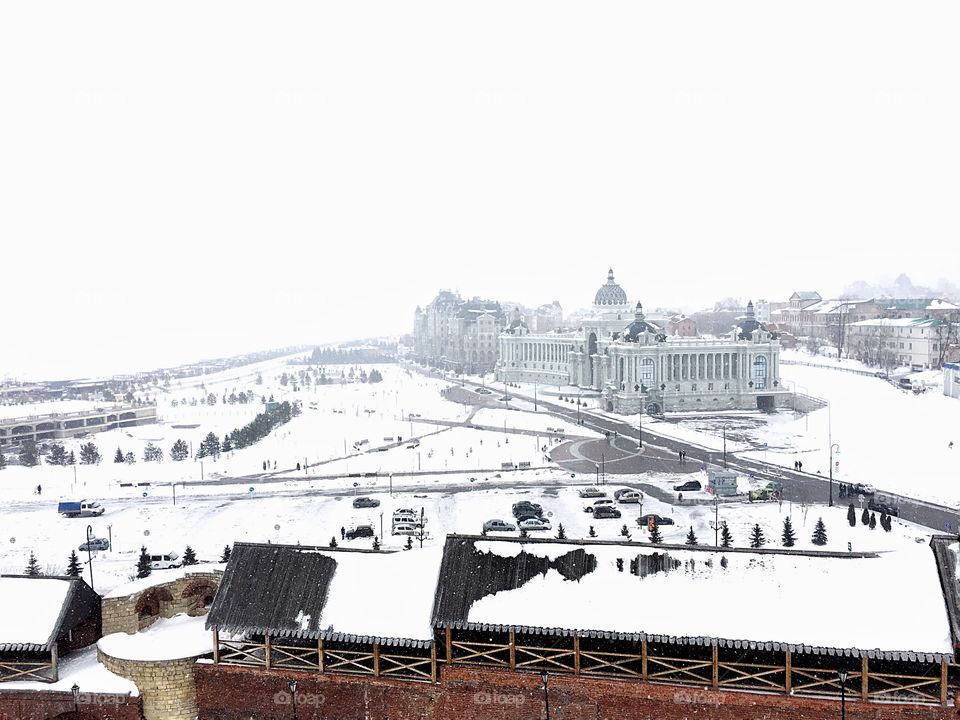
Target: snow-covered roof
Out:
[333,593]
[898,322]
[942,305]
[688,595]
[33,610]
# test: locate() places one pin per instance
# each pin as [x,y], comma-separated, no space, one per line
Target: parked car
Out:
[498,526]
[883,507]
[366,502]
[79,508]
[688,486]
[591,492]
[605,512]
[360,531]
[406,529]
[863,489]
[95,544]
[535,524]
[598,503]
[621,491]
[165,561]
[631,497]
[482,391]
[762,494]
[525,506]
[905,383]
[414,445]
[644,520]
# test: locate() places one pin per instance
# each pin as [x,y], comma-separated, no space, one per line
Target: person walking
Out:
[343,533]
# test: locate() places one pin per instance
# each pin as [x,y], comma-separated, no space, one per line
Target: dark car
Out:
[644,520]
[862,489]
[528,508]
[95,544]
[688,486]
[883,507]
[366,502]
[605,512]
[361,531]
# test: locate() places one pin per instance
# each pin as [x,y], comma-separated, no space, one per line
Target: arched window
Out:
[646,372]
[760,373]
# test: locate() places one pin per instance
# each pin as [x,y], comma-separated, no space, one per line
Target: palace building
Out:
[634,365]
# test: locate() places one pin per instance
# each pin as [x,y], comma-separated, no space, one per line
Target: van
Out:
[905,383]
[165,561]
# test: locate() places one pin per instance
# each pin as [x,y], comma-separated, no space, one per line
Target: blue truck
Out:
[80,508]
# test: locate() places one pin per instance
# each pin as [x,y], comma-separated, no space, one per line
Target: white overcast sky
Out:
[182,180]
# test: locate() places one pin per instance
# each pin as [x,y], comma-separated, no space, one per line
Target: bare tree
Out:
[947,332]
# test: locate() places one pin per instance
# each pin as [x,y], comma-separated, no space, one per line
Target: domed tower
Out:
[748,323]
[610,302]
[639,327]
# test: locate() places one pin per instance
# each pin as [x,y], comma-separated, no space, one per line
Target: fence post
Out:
[788,668]
[716,667]
[864,678]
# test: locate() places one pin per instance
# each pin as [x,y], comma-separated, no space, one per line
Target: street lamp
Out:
[834,445]
[292,684]
[579,394]
[546,697]
[76,700]
[843,694]
[715,524]
[90,553]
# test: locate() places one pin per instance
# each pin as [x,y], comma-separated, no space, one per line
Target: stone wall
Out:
[169,599]
[167,687]
[236,693]
[46,704]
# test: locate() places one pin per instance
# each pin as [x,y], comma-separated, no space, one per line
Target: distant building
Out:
[681,326]
[458,335]
[951,380]
[635,365]
[547,318]
[890,342]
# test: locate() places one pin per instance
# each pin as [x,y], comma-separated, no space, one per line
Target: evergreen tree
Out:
[129,458]
[33,567]
[227,444]
[179,451]
[374,376]
[333,541]
[819,533]
[723,562]
[655,537]
[619,564]
[788,537]
[212,443]
[225,557]
[143,564]
[118,456]
[73,565]
[189,556]
[757,540]
[89,455]
[151,453]
[691,537]
[561,533]
[3,460]
[592,533]
[726,538]
[851,515]
[873,521]
[28,453]
[865,517]
[71,459]
[58,455]
[211,399]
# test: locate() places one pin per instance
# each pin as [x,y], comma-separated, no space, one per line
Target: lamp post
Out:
[76,700]
[715,525]
[603,467]
[834,445]
[579,394]
[725,446]
[843,694]
[292,684]
[90,553]
[546,696]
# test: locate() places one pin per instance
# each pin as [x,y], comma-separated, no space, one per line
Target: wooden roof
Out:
[79,603]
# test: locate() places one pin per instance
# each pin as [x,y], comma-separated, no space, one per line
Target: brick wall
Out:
[120,614]
[167,687]
[232,693]
[43,705]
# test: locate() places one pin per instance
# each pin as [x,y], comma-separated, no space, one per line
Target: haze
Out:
[186,180]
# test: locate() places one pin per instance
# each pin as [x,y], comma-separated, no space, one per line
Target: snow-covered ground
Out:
[173,638]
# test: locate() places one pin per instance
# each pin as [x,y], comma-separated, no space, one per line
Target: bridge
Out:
[57,426]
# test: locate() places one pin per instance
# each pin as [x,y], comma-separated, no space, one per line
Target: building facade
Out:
[636,366]
[458,335]
[889,342]
[951,380]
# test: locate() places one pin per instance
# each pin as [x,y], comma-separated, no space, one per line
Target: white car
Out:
[598,503]
[406,529]
[592,492]
[165,561]
[630,497]
[535,524]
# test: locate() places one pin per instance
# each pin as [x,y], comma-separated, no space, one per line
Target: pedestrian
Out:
[39,489]
[264,464]
[343,533]
[680,498]
[950,445]
[800,465]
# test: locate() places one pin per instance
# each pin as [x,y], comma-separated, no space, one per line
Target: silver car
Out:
[498,526]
